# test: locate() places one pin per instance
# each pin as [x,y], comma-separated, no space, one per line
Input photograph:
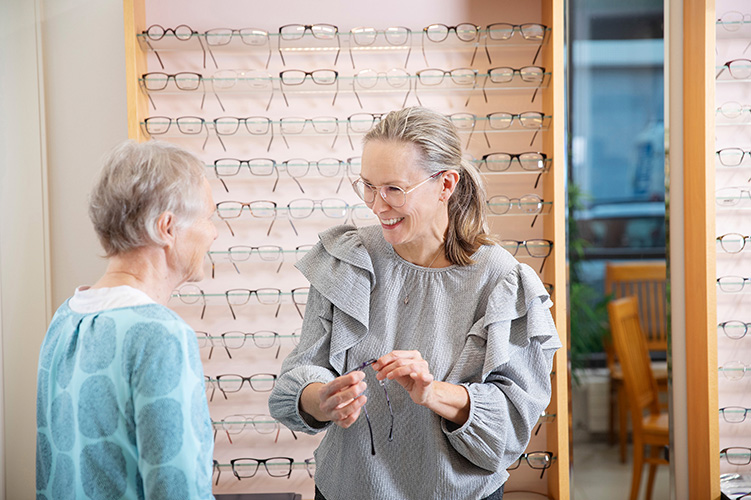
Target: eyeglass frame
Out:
[730,70]
[305,121]
[316,203]
[265,119]
[310,27]
[743,153]
[475,38]
[273,206]
[180,294]
[200,120]
[150,39]
[724,324]
[237,78]
[263,461]
[514,71]
[142,82]
[523,243]
[249,250]
[743,368]
[372,189]
[223,422]
[408,43]
[242,382]
[510,202]
[377,77]
[525,456]
[735,409]
[252,335]
[376,118]
[743,283]
[258,298]
[450,72]
[382,383]
[299,290]
[726,450]
[242,39]
[518,116]
[489,28]
[742,238]
[282,83]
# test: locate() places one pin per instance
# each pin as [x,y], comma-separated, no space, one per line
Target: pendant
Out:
[406,300]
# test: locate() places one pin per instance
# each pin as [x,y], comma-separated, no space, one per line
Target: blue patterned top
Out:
[121,407]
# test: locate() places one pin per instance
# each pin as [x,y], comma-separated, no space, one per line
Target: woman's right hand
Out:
[339,401]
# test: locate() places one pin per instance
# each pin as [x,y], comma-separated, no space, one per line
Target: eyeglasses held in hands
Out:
[382,383]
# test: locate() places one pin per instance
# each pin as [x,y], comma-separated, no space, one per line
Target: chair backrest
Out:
[631,348]
[645,280]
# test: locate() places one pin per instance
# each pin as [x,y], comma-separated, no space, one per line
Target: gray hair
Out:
[137,184]
[435,136]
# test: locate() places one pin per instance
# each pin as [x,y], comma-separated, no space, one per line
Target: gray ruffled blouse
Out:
[486,326]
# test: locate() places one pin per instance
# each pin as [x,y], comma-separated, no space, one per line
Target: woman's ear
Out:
[166,228]
[450,180]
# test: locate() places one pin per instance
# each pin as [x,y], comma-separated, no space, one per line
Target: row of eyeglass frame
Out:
[366,79]
[359,123]
[395,36]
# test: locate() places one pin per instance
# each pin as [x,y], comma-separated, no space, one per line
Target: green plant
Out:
[588,314]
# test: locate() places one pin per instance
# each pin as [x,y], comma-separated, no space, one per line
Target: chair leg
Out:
[623,415]
[613,407]
[638,466]
[654,452]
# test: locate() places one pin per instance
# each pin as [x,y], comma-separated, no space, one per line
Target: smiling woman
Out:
[457,328]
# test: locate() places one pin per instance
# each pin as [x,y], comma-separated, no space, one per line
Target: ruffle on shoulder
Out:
[517,311]
[340,269]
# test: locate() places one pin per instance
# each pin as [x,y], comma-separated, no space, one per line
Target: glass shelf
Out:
[466,124]
[266,43]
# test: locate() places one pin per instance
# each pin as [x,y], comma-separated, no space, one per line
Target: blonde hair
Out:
[440,148]
[137,184]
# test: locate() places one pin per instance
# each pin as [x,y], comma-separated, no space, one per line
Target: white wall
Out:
[62,106]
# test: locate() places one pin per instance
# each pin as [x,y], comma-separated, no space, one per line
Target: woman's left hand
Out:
[410,371]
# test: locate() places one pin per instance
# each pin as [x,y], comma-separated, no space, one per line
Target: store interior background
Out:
[63,106]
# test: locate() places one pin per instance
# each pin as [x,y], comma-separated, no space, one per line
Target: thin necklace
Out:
[406,297]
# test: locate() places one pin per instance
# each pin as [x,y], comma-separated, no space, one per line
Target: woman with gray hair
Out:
[456,332]
[121,403]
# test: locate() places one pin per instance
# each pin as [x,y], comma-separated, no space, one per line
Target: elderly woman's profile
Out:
[121,404]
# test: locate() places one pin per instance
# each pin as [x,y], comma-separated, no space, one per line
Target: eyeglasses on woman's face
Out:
[394,196]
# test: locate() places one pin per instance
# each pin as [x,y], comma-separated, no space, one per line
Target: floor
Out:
[599,474]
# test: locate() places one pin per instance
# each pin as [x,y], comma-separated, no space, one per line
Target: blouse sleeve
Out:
[336,318]
[516,339]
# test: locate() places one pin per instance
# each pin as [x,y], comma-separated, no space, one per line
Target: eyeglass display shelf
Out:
[725,80]
[345,130]
[283,465]
[342,42]
[263,85]
[481,165]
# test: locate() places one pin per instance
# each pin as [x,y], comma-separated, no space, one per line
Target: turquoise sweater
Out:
[121,407]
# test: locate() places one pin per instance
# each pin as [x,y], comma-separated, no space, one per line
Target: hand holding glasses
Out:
[382,383]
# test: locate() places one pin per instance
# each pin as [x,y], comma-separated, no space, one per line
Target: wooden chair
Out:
[650,428]
[645,280]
